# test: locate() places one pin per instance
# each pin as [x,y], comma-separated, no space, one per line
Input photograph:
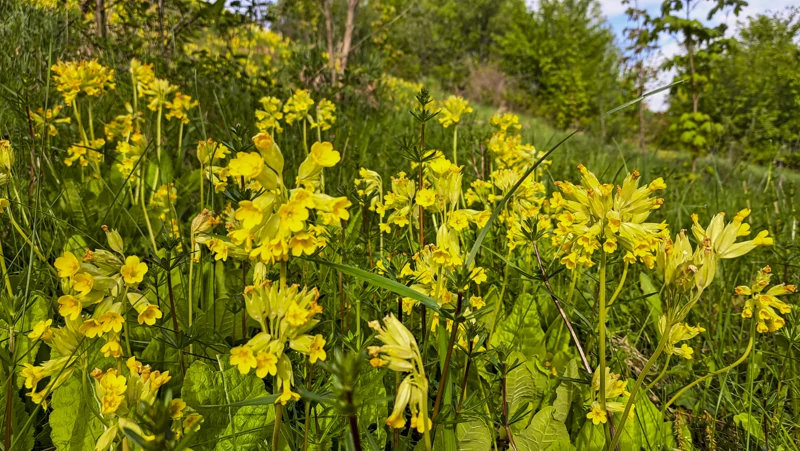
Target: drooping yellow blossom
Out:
[766,305]
[452,110]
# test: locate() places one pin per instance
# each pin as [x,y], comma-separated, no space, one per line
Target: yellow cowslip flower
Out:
[88,77]
[425,198]
[266,363]
[400,353]
[67,265]
[149,314]
[721,237]
[44,122]
[159,90]
[41,330]
[69,307]
[323,155]
[296,316]
[506,122]
[210,151]
[452,110]
[111,322]
[616,394]
[32,375]
[246,164]
[82,283]
[332,210]
[176,408]
[679,332]
[6,155]
[269,118]
[325,115]
[4,203]
[249,214]
[133,270]
[143,74]
[477,302]
[287,395]
[296,108]
[112,348]
[478,275]
[303,243]
[597,414]
[292,216]
[180,106]
[91,328]
[242,357]
[317,351]
[766,304]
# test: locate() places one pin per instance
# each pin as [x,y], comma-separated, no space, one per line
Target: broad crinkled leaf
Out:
[473,436]
[74,426]
[522,329]
[566,392]
[543,431]
[206,386]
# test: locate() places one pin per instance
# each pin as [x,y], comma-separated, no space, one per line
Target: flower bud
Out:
[203,223]
[6,155]
[114,240]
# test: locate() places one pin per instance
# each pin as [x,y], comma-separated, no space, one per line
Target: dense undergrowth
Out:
[208,244]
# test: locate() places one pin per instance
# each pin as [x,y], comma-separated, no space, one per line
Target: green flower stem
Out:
[601,367]
[621,283]
[639,381]
[191,286]
[146,215]
[5,271]
[660,375]
[455,145]
[719,371]
[157,177]
[276,431]
[308,406]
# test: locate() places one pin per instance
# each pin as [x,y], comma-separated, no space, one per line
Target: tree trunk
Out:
[347,41]
[99,17]
[326,12]
[690,51]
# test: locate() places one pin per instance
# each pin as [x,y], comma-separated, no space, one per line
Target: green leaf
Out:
[387,284]
[473,436]
[592,437]
[750,424]
[654,300]
[566,392]
[521,327]
[544,431]
[372,415]
[561,445]
[74,426]
[206,386]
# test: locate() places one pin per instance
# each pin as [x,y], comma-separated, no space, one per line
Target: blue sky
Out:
[614,11]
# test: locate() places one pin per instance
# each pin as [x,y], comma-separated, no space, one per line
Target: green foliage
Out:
[74,427]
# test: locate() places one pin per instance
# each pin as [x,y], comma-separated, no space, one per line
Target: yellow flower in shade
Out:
[91,328]
[317,349]
[69,307]
[266,363]
[296,316]
[287,395]
[67,265]
[242,357]
[41,330]
[180,106]
[176,407]
[149,315]
[296,108]
[396,421]
[246,164]
[323,154]
[32,375]
[477,302]
[597,414]
[4,203]
[111,321]
[133,270]
[83,283]
[478,275]
[425,197]
[112,349]
[325,115]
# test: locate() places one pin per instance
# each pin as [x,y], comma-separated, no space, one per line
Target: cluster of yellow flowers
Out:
[122,399]
[677,333]
[506,143]
[451,111]
[253,52]
[616,397]
[766,303]
[44,122]
[275,222]
[400,353]
[88,77]
[285,315]
[595,215]
[296,110]
[396,92]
